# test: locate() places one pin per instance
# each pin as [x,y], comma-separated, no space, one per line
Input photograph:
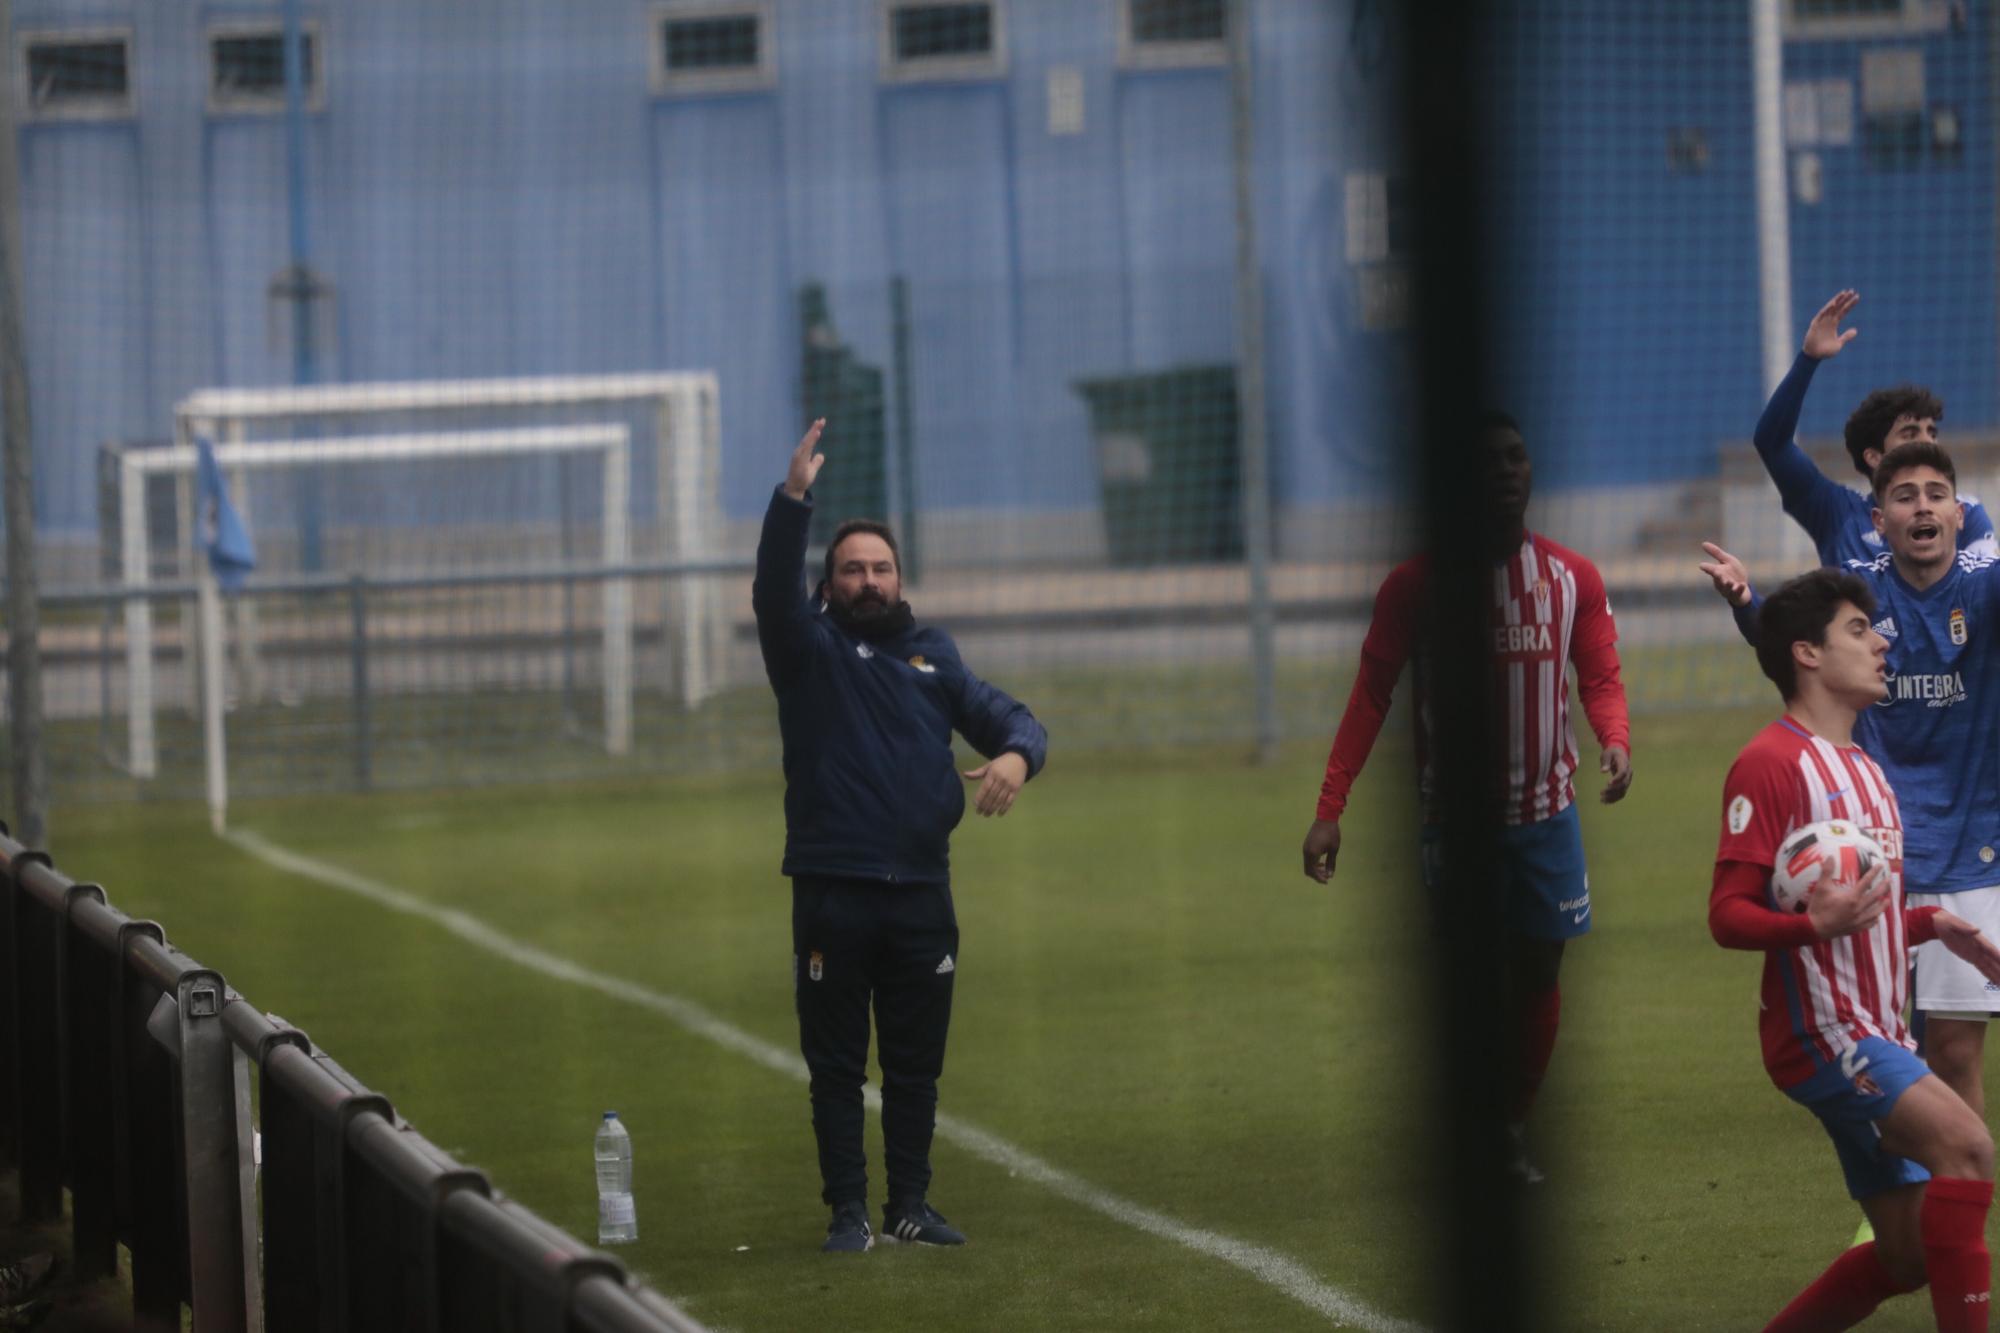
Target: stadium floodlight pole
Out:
[1253,457]
[1774,227]
[24,666]
[1774,237]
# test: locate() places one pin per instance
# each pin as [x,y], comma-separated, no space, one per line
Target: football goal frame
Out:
[685,420]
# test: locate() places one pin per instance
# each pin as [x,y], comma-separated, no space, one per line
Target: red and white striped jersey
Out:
[1544,599]
[1548,610]
[1819,998]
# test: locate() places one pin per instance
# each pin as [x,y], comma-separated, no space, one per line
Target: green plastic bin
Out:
[1168,465]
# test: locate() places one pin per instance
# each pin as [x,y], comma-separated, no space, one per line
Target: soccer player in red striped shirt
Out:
[1548,611]
[1916,1157]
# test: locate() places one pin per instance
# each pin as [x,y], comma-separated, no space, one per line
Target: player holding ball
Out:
[1916,1157]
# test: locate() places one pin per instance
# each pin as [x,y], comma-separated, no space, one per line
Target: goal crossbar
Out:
[316,400]
[388,448]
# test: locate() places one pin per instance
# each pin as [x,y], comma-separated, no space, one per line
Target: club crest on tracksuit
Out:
[816,965]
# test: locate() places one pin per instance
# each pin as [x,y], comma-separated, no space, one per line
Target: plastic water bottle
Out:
[617,1216]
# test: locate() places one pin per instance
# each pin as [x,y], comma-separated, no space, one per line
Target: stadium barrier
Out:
[125,1077]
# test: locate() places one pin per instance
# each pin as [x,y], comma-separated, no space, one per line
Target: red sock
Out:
[1539,1016]
[1841,1297]
[1953,1223]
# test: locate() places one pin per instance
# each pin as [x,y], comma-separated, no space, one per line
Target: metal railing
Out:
[125,1078]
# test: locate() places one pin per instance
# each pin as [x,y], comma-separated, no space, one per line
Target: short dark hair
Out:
[1800,612]
[872,526]
[1869,426]
[1915,453]
[1494,419]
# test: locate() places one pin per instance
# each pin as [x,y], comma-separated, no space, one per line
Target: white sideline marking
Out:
[1267,1266]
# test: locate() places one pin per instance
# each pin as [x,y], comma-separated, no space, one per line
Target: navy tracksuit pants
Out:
[856,943]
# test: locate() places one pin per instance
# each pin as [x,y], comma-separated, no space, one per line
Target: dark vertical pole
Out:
[300,284]
[89,982]
[10,1054]
[1479,1217]
[906,452]
[38,1047]
[28,770]
[357,611]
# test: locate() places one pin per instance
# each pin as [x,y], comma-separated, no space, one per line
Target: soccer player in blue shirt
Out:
[1834,516]
[1938,733]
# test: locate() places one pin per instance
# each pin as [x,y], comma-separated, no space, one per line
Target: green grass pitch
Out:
[1151,997]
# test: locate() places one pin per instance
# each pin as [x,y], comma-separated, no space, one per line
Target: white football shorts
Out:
[1947,986]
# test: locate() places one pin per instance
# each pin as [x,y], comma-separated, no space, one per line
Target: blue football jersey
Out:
[1937,735]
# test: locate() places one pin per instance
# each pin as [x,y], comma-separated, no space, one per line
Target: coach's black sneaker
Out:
[917,1223]
[24,1277]
[848,1233]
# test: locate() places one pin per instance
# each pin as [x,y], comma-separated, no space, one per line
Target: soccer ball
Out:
[1831,851]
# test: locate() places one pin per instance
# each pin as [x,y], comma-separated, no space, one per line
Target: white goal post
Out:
[687,435]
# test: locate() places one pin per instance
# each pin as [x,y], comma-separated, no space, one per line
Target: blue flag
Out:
[230,552]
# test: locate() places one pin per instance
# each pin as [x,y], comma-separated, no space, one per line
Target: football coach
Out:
[867,703]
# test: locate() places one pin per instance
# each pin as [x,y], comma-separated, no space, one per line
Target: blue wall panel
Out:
[85,301]
[1917,242]
[950,218]
[723,265]
[1628,312]
[497,190]
[1180,216]
[1074,311]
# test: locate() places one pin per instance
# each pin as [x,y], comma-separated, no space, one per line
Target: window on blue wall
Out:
[1864,18]
[929,41]
[246,67]
[1172,33]
[713,48]
[77,75]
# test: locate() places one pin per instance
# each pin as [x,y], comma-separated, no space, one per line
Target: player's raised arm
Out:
[1731,578]
[1808,494]
[1824,336]
[1732,584]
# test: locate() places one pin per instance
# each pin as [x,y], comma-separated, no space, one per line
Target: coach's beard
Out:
[870,616]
